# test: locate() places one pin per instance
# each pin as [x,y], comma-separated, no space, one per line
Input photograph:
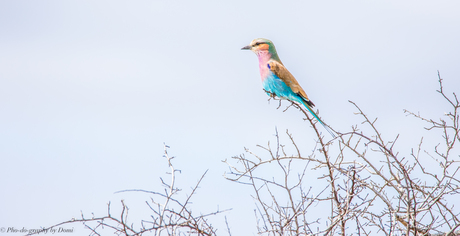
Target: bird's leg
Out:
[274,97]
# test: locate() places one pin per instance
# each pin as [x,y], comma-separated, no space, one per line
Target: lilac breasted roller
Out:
[276,79]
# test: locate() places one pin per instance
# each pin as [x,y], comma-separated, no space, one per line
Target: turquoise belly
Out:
[276,86]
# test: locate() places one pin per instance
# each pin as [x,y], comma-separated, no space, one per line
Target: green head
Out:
[262,45]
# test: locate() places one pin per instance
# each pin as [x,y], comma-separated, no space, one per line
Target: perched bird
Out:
[276,79]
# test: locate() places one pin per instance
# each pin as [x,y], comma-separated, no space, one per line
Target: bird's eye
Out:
[258,43]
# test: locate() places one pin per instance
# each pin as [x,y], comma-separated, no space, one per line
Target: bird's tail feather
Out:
[319,120]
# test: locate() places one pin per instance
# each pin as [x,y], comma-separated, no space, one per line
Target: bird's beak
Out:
[246,47]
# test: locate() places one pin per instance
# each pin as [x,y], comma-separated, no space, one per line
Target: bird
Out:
[276,79]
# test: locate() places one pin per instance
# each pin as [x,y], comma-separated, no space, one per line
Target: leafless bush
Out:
[356,183]
[170,216]
[370,189]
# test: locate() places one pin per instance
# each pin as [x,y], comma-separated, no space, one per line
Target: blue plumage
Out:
[277,80]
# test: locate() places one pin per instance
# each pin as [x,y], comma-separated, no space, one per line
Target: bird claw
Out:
[270,94]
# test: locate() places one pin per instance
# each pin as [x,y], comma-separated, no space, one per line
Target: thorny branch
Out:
[371,188]
[165,220]
[357,183]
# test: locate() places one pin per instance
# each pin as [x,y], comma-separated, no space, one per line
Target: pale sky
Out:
[90,91]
